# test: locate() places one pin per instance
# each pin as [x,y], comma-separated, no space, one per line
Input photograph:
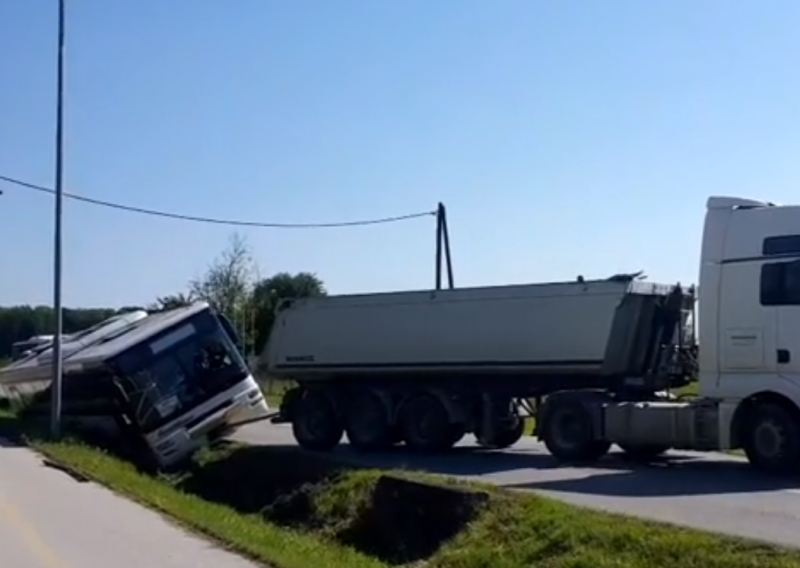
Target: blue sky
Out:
[565,138]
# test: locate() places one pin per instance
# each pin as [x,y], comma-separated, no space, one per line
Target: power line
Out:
[212,220]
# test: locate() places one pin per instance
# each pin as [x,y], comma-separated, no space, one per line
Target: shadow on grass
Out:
[395,519]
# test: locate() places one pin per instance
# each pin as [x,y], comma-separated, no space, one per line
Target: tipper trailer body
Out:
[534,333]
[599,358]
[384,366]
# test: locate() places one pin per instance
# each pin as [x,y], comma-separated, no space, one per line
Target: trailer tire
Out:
[315,422]
[368,423]
[425,424]
[568,432]
[772,439]
[643,452]
[504,438]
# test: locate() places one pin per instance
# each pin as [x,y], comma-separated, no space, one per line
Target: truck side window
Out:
[781,245]
[780,284]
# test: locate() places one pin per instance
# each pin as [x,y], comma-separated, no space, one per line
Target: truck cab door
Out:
[787,348]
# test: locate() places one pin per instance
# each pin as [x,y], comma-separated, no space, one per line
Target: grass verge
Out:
[291,510]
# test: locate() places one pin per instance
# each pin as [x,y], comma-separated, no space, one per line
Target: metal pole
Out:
[446,243]
[55,414]
[439,243]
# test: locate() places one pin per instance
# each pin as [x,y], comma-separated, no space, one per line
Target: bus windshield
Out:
[184,368]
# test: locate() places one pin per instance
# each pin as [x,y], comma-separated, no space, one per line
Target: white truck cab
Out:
[749,315]
[748,322]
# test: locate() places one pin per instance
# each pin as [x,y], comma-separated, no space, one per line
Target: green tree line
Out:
[232,283]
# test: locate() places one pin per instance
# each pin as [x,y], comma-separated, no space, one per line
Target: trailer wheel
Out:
[568,432]
[643,452]
[425,424]
[367,423]
[504,438]
[315,423]
[772,439]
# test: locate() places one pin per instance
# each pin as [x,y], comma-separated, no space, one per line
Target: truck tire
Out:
[425,424]
[367,423]
[643,452]
[315,423]
[504,438]
[568,432]
[772,439]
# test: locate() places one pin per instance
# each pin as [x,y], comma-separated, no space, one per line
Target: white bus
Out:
[22,349]
[171,382]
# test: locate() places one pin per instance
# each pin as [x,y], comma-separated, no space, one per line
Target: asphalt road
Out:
[50,520]
[713,492]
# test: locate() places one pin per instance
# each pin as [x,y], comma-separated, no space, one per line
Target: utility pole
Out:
[55,410]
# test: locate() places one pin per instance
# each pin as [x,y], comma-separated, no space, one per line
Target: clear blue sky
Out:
[565,137]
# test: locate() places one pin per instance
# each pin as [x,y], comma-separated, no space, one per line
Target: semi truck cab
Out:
[748,322]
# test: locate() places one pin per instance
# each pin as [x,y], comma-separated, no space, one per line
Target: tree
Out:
[230,284]
[171,302]
[269,292]
[18,323]
[227,281]
[227,285]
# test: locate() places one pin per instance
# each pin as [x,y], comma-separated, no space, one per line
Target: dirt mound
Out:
[392,518]
[409,520]
[251,478]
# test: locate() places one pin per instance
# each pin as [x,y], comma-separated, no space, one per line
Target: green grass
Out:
[273,391]
[509,531]
[245,533]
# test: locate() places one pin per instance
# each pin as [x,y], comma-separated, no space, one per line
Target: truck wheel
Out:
[643,452]
[504,438]
[568,433]
[367,423]
[425,424]
[772,439]
[315,423]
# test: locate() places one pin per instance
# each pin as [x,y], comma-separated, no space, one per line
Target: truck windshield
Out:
[202,363]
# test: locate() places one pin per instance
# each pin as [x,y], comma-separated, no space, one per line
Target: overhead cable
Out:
[212,220]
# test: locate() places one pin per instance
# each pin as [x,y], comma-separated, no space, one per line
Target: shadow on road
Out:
[8,443]
[612,476]
[669,478]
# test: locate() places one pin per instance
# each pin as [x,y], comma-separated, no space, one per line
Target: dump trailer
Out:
[598,359]
[427,367]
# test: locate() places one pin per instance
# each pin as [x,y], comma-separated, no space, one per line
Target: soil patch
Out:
[395,519]
[409,520]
